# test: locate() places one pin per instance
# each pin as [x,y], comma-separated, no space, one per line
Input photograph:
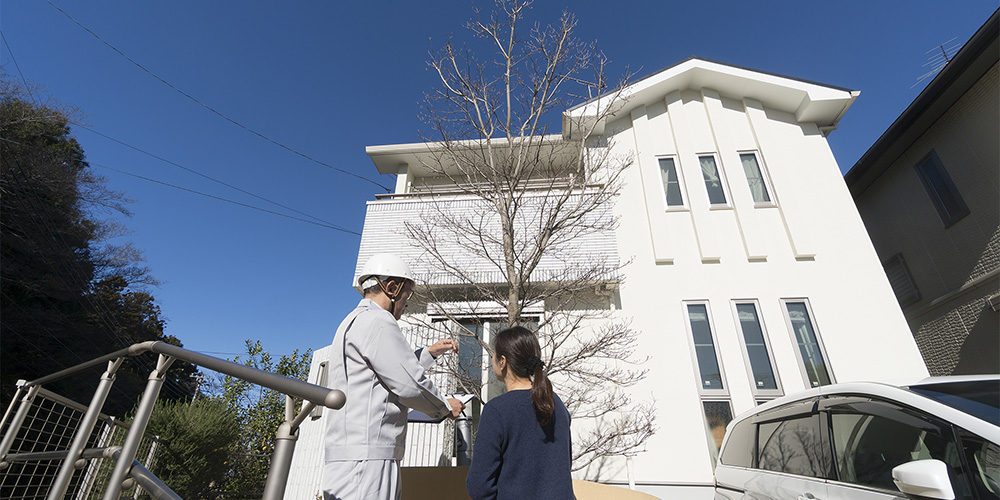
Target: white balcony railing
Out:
[465,232]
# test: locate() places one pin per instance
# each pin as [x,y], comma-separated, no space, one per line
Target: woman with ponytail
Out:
[522,448]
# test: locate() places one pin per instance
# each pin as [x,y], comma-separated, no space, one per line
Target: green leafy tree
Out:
[195,441]
[260,411]
[137,319]
[67,294]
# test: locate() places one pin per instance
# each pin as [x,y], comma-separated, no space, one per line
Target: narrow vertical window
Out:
[942,191]
[671,183]
[716,407]
[762,371]
[810,351]
[704,347]
[755,178]
[713,180]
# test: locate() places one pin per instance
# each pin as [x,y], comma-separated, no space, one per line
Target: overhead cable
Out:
[321,224]
[199,173]
[18,66]
[213,110]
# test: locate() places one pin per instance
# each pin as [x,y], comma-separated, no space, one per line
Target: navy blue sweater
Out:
[515,458]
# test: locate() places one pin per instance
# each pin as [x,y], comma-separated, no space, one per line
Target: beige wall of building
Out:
[953,265]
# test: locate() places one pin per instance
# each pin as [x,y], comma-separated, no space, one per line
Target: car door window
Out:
[870,438]
[794,446]
[983,458]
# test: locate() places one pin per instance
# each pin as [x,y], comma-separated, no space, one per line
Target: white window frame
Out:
[765,176]
[795,343]
[705,393]
[757,393]
[680,184]
[722,180]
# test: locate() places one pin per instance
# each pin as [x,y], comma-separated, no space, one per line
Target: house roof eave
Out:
[974,59]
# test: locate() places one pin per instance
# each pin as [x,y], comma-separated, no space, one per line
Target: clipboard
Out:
[419,417]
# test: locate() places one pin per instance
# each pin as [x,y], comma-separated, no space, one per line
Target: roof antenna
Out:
[938,61]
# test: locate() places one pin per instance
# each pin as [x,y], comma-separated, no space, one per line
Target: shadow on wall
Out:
[980,353]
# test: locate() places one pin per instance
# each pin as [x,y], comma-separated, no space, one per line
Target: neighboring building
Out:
[749,274]
[929,193]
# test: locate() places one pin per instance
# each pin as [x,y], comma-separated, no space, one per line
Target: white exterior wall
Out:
[307,461]
[812,245]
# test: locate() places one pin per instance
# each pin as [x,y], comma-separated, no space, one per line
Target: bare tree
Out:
[516,207]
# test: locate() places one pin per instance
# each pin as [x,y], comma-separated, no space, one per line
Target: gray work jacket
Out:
[382,378]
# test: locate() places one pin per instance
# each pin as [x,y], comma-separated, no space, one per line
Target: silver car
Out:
[938,438]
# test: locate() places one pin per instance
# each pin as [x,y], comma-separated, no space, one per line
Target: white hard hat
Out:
[384,264]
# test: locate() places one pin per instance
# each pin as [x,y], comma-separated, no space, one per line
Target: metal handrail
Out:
[321,396]
[126,466]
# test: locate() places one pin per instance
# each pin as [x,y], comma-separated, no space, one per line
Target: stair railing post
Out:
[138,428]
[17,421]
[58,489]
[13,402]
[284,448]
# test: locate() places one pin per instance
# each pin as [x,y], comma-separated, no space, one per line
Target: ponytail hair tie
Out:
[535,363]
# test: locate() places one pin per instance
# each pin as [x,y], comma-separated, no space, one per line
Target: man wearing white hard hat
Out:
[382,377]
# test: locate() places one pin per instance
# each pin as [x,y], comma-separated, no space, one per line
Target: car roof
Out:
[897,391]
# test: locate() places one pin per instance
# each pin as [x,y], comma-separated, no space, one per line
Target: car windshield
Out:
[980,398]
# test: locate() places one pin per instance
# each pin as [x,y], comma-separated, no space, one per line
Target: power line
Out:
[213,110]
[199,173]
[12,58]
[328,226]
[324,223]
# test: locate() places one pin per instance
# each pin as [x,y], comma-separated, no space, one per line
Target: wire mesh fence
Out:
[50,424]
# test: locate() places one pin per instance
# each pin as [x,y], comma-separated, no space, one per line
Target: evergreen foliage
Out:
[67,293]
[195,441]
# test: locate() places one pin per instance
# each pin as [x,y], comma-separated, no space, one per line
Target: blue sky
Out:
[329,78]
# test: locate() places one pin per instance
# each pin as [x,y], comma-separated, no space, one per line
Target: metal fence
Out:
[49,425]
[51,447]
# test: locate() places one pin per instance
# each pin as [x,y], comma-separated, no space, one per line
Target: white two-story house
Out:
[746,268]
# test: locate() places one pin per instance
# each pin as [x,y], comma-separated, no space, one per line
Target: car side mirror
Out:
[924,479]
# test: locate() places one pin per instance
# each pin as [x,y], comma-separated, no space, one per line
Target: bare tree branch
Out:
[509,208]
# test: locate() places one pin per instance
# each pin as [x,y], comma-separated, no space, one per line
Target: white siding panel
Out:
[785,166]
[385,231]
[646,149]
[724,127]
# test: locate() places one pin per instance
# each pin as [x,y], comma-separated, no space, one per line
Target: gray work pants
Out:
[361,480]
